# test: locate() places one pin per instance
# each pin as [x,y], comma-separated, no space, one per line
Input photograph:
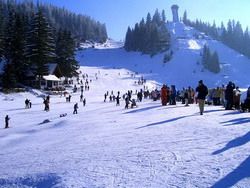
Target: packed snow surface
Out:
[105,145]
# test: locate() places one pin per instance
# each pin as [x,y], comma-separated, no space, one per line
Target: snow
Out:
[51,78]
[105,145]
[184,69]
[108,146]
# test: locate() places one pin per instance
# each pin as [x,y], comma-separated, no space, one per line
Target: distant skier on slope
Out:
[75,108]
[7,121]
[118,99]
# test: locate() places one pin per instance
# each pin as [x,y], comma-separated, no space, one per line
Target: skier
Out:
[118,99]
[46,104]
[30,104]
[81,98]
[26,103]
[105,97]
[186,97]
[139,95]
[173,95]
[133,104]
[48,98]
[7,121]
[246,104]
[75,108]
[129,94]
[127,102]
[229,93]
[164,95]
[216,96]
[201,96]
[236,98]
[84,102]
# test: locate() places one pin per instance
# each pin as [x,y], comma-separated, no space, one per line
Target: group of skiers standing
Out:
[127,97]
[168,95]
[229,97]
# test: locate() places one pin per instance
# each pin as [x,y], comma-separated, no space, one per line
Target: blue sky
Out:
[119,14]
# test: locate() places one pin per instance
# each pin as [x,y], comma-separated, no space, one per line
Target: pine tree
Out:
[65,57]
[128,40]
[41,45]
[150,37]
[149,19]
[185,17]
[163,16]
[206,56]
[9,35]
[9,77]
[18,58]
[1,31]
[214,64]
[157,18]
[210,61]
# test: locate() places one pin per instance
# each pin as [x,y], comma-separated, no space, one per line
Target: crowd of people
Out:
[228,96]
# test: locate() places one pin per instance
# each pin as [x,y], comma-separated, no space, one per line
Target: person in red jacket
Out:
[164,95]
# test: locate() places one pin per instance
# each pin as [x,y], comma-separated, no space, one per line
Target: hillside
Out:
[183,69]
[107,146]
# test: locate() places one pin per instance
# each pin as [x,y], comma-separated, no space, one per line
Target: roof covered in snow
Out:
[51,78]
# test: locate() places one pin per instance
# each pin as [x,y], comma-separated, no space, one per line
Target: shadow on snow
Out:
[232,113]
[234,143]
[38,181]
[237,121]
[163,122]
[241,172]
[142,109]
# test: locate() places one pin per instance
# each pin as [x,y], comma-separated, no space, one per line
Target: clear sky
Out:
[119,14]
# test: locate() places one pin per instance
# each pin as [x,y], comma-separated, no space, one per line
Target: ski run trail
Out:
[106,146]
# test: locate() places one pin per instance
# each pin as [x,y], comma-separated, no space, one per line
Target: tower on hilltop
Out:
[175,13]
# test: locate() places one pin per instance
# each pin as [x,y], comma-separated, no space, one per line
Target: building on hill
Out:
[51,81]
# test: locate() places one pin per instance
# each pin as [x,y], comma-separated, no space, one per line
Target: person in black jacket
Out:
[202,93]
[229,95]
[7,121]
[75,108]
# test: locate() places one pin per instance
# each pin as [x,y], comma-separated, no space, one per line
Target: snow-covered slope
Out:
[109,44]
[184,69]
[105,145]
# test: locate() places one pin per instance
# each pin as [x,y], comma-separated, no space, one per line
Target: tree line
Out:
[210,60]
[82,27]
[29,40]
[150,36]
[231,35]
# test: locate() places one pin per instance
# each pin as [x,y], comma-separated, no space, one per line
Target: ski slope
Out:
[105,145]
[184,69]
